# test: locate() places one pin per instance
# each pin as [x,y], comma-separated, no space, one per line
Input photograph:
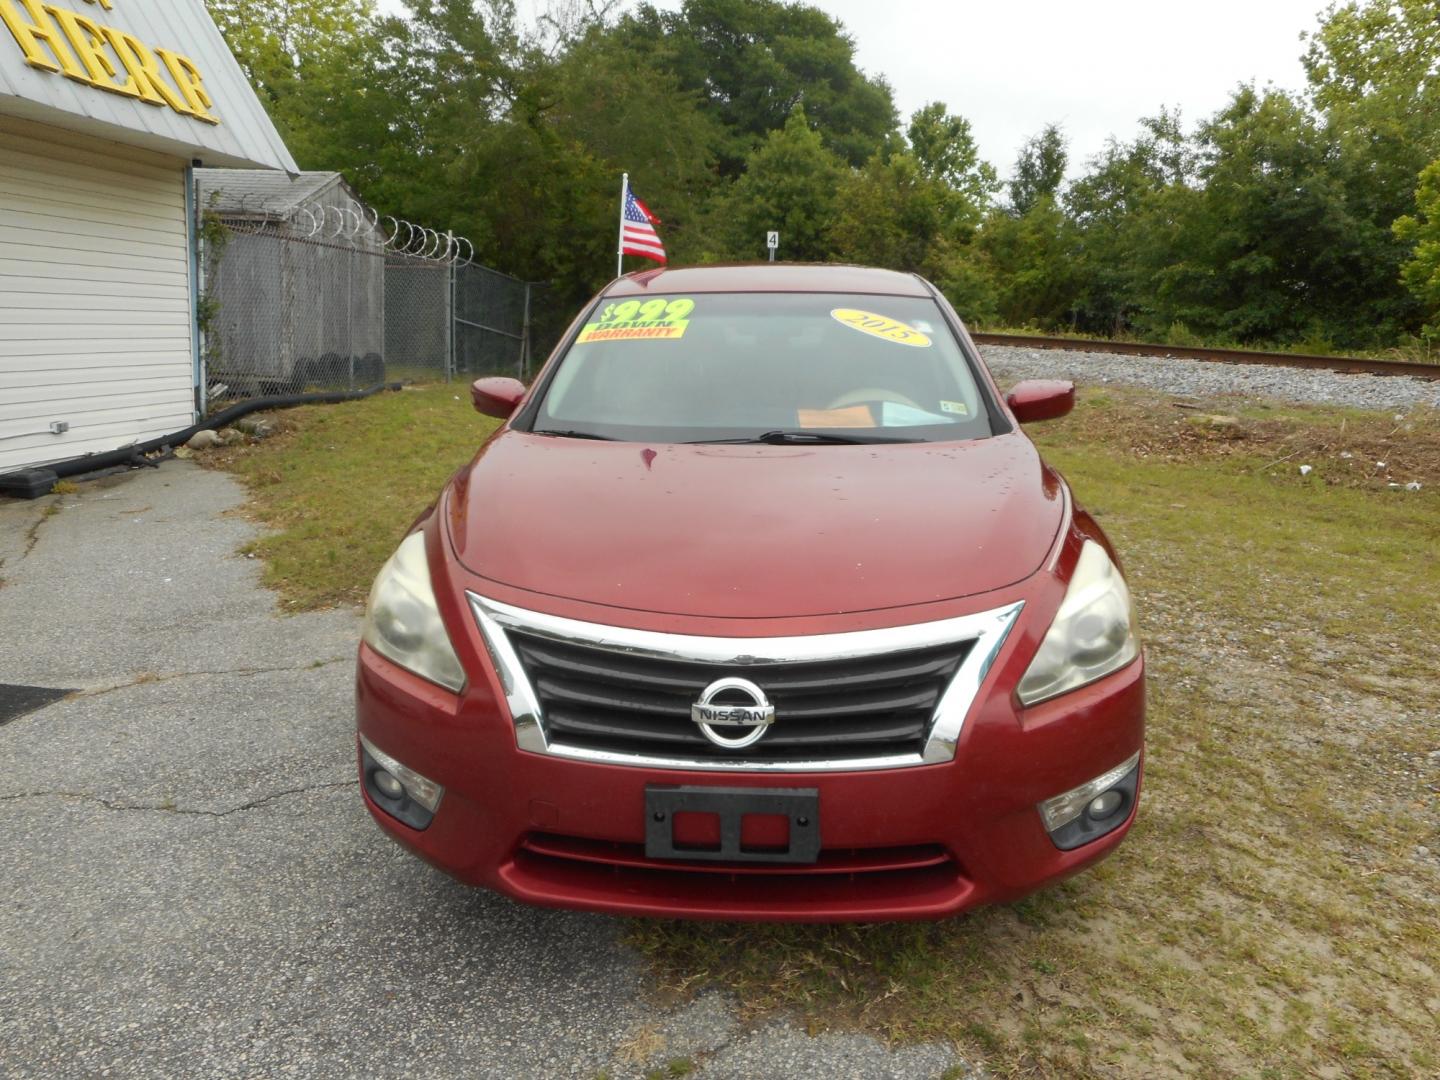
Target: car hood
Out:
[754,531]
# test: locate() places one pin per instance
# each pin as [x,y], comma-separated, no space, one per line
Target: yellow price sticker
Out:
[881,326]
[635,320]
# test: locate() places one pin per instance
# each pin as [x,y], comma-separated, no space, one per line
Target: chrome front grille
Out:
[857,700]
[600,699]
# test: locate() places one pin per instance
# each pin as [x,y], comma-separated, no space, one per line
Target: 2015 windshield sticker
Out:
[635,320]
[880,326]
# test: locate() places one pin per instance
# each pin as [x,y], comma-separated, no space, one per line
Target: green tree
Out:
[917,210]
[460,73]
[1121,177]
[306,59]
[753,61]
[1039,169]
[1372,72]
[891,214]
[469,142]
[1026,250]
[943,145]
[1029,259]
[791,183]
[1112,206]
[1268,245]
[631,119]
[964,274]
[1421,232]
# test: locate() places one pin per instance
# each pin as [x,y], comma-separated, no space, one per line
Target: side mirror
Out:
[496,396]
[1041,399]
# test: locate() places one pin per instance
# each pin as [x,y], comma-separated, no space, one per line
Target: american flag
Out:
[637,229]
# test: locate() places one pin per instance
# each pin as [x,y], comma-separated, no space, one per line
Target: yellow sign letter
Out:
[187,77]
[88,41]
[38,29]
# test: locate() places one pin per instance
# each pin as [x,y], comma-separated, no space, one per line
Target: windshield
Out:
[765,367]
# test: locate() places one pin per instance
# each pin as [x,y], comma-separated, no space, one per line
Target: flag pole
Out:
[620,239]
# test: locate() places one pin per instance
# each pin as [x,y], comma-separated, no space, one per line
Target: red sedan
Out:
[759,605]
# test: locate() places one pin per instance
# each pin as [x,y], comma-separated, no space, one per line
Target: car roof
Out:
[769,277]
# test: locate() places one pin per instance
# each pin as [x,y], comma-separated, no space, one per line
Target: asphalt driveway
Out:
[191,885]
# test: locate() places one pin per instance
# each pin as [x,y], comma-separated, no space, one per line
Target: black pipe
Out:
[26,482]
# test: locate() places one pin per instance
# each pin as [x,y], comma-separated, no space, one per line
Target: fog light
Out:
[391,787]
[1102,806]
[1093,809]
[397,789]
[420,788]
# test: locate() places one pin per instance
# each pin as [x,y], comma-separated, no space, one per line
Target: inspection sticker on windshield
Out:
[636,320]
[854,416]
[887,329]
[958,407]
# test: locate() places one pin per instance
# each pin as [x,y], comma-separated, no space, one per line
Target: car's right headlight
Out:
[1092,635]
[402,620]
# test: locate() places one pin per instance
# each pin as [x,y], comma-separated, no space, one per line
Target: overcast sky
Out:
[1010,67]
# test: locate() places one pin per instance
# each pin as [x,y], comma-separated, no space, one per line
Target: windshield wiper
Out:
[784,437]
[567,434]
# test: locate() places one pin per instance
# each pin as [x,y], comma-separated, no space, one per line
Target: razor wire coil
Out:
[338,296]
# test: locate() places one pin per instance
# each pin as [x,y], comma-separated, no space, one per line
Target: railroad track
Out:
[1348,364]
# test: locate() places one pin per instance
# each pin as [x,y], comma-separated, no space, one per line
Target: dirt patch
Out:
[1378,451]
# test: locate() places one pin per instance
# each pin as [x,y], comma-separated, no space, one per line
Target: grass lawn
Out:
[338,485]
[1274,913]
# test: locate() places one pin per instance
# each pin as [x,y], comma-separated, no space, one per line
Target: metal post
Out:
[197,255]
[287,252]
[350,316]
[384,352]
[450,316]
[620,238]
[525,337]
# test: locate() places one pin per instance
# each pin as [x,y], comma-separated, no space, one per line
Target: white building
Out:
[105,107]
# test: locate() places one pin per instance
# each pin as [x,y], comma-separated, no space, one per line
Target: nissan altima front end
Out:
[760,605]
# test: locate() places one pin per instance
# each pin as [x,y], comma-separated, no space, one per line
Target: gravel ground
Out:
[1204,379]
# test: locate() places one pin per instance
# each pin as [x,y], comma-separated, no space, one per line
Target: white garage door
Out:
[94,295]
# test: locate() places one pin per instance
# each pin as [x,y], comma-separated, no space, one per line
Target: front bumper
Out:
[919,842]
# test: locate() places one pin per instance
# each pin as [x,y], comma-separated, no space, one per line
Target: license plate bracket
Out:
[731,805]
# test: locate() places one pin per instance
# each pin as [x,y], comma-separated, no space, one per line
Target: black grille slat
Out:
[818,706]
[624,726]
[852,734]
[587,662]
[593,662]
[612,726]
[797,707]
[604,699]
[598,695]
[784,681]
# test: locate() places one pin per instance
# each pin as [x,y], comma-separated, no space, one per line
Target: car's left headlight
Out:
[402,621]
[1092,635]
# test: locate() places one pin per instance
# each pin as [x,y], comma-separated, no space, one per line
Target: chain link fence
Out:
[492,323]
[330,297]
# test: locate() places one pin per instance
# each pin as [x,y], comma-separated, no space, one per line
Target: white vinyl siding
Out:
[95,319]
